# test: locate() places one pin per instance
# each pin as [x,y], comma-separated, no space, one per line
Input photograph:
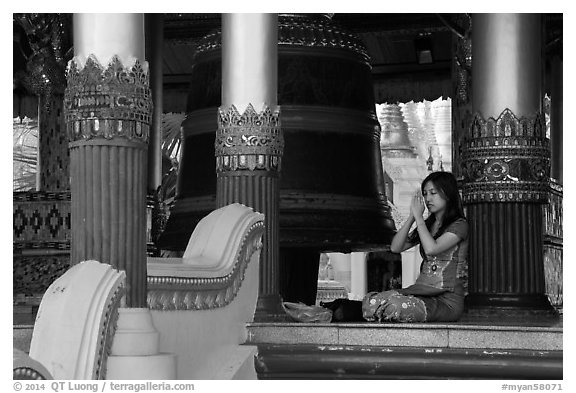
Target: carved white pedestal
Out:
[135,349]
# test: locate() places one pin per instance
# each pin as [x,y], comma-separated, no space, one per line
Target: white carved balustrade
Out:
[75,323]
[24,367]
[213,266]
[200,306]
[202,302]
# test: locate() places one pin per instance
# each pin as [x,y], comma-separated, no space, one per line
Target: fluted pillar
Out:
[249,142]
[506,164]
[107,112]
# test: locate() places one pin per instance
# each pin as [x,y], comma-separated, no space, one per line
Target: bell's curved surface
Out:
[332,194]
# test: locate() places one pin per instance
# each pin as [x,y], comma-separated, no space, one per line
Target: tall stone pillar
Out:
[556,119]
[506,164]
[155,42]
[107,111]
[154,26]
[249,142]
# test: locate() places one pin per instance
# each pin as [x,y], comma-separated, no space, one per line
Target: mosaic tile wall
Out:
[41,240]
[32,275]
[54,156]
[41,220]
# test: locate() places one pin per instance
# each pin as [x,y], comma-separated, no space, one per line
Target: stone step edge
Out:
[398,326]
[308,361]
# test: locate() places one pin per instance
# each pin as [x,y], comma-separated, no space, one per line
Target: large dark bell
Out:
[332,194]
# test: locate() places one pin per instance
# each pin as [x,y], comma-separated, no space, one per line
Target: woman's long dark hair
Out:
[447,187]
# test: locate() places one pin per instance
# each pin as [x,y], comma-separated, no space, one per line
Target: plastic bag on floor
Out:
[301,312]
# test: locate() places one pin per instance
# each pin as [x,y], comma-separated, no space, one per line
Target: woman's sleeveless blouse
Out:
[447,271]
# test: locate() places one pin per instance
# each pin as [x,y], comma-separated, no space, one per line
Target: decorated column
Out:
[107,111]
[249,142]
[506,164]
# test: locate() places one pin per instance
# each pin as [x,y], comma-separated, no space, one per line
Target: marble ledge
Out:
[413,335]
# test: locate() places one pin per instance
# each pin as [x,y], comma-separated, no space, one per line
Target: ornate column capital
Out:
[108,102]
[250,140]
[506,159]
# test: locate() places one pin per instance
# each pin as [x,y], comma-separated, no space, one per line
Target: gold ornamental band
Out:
[108,102]
[250,140]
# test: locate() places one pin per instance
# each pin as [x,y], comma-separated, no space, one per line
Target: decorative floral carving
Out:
[553,279]
[472,169]
[108,329]
[49,36]
[506,159]
[505,192]
[498,170]
[540,169]
[553,213]
[318,32]
[27,373]
[250,140]
[179,293]
[108,102]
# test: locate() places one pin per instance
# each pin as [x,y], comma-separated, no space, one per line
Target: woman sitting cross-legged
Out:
[438,293]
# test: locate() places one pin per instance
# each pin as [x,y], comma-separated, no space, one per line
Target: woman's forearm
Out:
[436,246]
[399,240]
[426,240]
